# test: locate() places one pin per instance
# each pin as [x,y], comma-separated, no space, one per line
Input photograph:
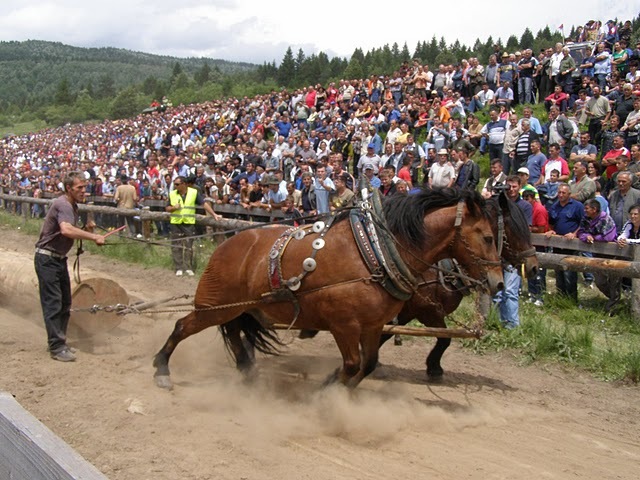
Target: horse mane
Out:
[519,224]
[404,214]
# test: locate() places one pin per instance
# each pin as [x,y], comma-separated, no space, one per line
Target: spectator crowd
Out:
[304,152]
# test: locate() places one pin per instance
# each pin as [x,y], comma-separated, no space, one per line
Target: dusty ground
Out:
[490,418]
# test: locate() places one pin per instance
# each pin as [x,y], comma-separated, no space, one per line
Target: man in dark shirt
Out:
[56,239]
[564,217]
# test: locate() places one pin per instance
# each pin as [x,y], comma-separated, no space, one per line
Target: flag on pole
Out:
[561,27]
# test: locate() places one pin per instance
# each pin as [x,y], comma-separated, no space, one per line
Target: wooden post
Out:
[146,224]
[635,288]
[24,209]
[90,215]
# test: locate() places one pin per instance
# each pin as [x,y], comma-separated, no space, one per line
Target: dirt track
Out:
[490,418]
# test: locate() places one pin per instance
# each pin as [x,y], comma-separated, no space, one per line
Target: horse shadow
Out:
[316,368]
[450,379]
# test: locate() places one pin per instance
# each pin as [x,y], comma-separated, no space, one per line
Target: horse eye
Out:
[488,239]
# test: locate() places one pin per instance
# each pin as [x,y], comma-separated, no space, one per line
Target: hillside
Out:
[31,70]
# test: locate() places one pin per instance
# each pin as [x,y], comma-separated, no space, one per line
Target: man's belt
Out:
[49,253]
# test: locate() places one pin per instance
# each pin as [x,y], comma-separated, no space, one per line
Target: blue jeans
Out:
[495,151]
[507,162]
[508,299]
[474,105]
[483,145]
[525,90]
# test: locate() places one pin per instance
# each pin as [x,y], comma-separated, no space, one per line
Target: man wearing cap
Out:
[275,196]
[374,181]
[525,186]
[506,71]
[370,158]
[58,232]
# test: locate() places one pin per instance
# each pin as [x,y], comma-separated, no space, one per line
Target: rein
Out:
[458,227]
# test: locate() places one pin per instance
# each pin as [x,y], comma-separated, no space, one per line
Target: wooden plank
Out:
[30,451]
[618,268]
[411,331]
[103,205]
[597,248]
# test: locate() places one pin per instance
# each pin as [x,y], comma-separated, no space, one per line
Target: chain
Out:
[122,309]
[477,330]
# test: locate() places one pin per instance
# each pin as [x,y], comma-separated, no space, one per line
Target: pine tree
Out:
[405,56]
[287,70]
[202,76]
[512,44]
[63,93]
[526,41]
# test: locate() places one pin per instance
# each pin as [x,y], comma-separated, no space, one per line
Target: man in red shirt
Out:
[609,161]
[554,162]
[557,98]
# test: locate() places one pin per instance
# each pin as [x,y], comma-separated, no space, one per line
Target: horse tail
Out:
[261,338]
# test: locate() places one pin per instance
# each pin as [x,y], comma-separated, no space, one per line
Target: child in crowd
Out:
[548,191]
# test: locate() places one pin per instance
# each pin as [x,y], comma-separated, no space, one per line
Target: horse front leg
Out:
[348,344]
[434,369]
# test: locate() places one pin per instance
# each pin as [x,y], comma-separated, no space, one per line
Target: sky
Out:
[258,31]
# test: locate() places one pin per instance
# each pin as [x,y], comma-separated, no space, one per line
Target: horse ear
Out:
[503,201]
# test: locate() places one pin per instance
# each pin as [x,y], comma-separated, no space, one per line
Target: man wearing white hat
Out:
[442,173]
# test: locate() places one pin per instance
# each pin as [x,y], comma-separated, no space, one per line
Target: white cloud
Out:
[257,31]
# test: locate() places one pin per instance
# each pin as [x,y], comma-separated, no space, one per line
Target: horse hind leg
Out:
[238,345]
[189,325]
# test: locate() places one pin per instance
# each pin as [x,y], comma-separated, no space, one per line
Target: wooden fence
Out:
[607,257]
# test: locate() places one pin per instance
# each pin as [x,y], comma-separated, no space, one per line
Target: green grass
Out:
[23,128]
[122,248]
[560,332]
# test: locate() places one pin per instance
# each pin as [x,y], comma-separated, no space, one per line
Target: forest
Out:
[46,84]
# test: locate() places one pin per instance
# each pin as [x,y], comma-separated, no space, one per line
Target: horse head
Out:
[447,223]
[516,247]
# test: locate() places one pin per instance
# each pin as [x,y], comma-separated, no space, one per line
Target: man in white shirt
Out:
[481,98]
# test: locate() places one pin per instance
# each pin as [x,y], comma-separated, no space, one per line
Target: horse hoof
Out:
[163,381]
[435,375]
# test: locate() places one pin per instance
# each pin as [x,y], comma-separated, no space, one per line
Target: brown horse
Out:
[435,299]
[339,294]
